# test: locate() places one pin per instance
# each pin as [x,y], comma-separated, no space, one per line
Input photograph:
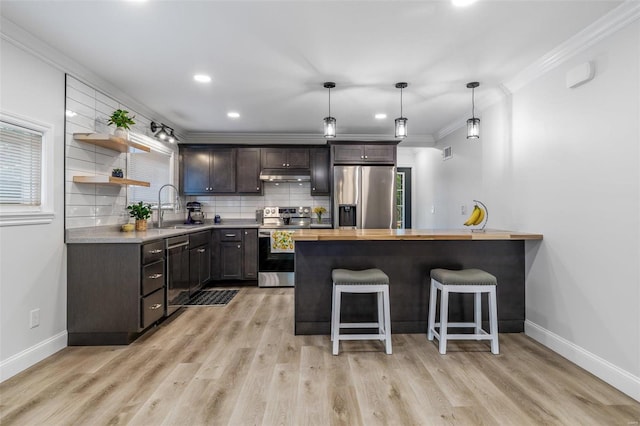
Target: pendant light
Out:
[473,124]
[401,122]
[329,121]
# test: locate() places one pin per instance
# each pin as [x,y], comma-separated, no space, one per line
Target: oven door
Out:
[275,269]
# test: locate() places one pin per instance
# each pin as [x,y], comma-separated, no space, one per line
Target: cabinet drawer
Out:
[152,252]
[152,277]
[199,238]
[230,235]
[152,308]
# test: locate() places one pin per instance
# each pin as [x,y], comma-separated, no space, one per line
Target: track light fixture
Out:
[473,124]
[401,122]
[329,121]
[164,132]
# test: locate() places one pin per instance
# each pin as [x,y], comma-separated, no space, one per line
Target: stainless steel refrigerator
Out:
[364,197]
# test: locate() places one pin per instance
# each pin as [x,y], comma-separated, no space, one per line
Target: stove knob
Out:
[306,210]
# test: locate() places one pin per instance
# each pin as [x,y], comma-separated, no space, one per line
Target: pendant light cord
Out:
[473,102]
[401,103]
[329,101]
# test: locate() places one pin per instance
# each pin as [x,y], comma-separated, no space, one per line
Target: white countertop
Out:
[113,234]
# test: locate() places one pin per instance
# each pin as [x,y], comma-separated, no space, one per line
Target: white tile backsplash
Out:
[244,207]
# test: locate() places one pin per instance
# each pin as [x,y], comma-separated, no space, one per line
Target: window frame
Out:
[13,215]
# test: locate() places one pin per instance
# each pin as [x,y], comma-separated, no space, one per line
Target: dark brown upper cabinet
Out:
[207,170]
[364,154]
[285,158]
[320,181]
[248,171]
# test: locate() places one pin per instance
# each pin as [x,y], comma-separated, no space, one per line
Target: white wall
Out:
[565,163]
[33,268]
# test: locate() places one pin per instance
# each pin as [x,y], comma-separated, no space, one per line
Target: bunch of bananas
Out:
[476,217]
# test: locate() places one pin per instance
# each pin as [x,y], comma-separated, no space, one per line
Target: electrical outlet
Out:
[34,318]
[463,209]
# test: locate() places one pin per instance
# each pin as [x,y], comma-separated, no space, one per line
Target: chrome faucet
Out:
[160,212]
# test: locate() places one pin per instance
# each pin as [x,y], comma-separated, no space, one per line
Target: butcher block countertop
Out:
[408,234]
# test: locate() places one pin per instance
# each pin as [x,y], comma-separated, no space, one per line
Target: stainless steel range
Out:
[275,245]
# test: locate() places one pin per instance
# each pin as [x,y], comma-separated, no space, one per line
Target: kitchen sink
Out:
[183,226]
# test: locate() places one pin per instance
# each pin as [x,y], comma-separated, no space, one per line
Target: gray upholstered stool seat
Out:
[365,281]
[463,277]
[474,281]
[366,276]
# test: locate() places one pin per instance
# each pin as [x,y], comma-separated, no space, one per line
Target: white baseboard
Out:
[615,376]
[30,356]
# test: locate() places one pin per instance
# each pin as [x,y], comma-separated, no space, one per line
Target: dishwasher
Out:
[177,272]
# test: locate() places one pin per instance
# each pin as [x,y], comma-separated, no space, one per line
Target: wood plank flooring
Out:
[242,365]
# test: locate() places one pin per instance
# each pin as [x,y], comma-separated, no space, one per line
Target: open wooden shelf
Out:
[109,142]
[109,180]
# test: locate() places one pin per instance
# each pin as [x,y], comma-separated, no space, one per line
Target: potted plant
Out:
[122,121]
[319,211]
[141,212]
[117,173]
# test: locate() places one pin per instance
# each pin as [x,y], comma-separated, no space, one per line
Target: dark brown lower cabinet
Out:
[234,254]
[250,254]
[114,291]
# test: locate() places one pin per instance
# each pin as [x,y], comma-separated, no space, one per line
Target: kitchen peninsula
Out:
[406,256]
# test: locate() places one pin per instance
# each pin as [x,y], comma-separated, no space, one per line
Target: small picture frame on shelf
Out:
[117,173]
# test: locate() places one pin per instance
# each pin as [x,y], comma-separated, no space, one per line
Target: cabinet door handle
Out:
[313,189]
[238,245]
[287,164]
[154,276]
[366,156]
[362,157]
[284,164]
[201,250]
[156,251]
[156,306]
[258,188]
[229,235]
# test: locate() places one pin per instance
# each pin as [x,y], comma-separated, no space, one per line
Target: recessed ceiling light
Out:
[380,116]
[70,113]
[233,114]
[462,3]
[202,78]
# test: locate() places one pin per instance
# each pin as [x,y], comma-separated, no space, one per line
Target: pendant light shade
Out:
[473,124]
[329,121]
[401,122]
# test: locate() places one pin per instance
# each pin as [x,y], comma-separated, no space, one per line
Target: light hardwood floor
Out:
[242,365]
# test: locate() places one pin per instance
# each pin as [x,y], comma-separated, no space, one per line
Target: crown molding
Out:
[27,42]
[618,18]
[292,138]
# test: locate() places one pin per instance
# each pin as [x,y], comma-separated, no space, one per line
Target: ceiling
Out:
[268,59]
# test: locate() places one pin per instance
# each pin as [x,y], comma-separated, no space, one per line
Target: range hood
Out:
[283,176]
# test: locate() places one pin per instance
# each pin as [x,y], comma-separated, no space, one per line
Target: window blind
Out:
[153,167]
[20,165]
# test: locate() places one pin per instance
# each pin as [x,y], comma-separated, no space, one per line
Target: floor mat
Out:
[210,298]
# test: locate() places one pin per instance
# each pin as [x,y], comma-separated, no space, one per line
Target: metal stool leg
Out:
[433,295]
[336,320]
[477,311]
[444,314]
[493,321]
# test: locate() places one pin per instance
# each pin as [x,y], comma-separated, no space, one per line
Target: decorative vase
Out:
[141,224]
[121,132]
[319,217]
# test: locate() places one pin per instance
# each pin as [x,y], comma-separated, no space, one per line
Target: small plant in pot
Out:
[140,212]
[122,121]
[117,173]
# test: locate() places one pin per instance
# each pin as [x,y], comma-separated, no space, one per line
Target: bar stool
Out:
[366,281]
[474,281]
